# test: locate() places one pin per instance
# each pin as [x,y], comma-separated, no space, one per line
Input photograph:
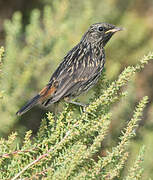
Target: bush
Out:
[69,147]
[74,144]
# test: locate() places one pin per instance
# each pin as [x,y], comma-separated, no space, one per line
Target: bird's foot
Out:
[78,104]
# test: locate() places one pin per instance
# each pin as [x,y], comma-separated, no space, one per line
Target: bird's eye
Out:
[100,28]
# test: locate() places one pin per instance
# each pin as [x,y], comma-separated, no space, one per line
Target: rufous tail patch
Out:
[47,91]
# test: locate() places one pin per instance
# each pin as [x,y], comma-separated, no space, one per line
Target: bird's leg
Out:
[76,103]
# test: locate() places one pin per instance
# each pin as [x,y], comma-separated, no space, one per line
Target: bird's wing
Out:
[77,71]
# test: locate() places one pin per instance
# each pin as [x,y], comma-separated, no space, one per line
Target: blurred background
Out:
[37,34]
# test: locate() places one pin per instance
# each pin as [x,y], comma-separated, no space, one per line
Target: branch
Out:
[41,157]
[17,152]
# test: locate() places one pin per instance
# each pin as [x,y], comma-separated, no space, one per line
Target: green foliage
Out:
[1,57]
[69,147]
[74,144]
[136,171]
[34,51]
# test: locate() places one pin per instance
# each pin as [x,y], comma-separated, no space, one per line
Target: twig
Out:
[41,157]
[42,173]
[17,152]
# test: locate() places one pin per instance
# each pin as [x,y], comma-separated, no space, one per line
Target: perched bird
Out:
[79,70]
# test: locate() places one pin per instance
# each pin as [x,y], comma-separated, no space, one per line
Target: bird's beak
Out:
[114,30]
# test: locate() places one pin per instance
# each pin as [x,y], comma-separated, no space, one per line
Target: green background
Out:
[37,36]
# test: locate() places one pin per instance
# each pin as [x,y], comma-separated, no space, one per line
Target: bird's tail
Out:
[35,100]
[41,97]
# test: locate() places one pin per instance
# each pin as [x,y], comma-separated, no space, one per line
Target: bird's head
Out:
[101,32]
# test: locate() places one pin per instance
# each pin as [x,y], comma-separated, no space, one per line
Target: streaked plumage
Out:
[79,70]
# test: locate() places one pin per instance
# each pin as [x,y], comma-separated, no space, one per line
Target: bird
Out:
[79,70]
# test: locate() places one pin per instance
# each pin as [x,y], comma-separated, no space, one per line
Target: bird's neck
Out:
[95,49]
[99,45]
[92,45]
